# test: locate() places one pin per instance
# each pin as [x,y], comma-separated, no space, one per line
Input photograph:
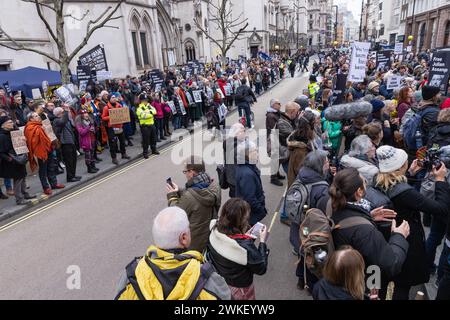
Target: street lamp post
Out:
[336,21]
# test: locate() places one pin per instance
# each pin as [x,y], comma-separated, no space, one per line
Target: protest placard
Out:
[47,125]
[181,104]
[394,82]
[197,96]
[439,70]
[65,95]
[360,51]
[228,90]
[119,116]
[398,48]
[172,107]
[383,59]
[19,142]
[189,98]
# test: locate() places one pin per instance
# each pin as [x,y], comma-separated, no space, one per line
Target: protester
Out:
[236,135]
[170,256]
[201,200]
[86,130]
[273,115]
[347,192]
[362,156]
[248,181]
[12,166]
[40,147]
[343,277]
[232,250]
[286,126]
[244,98]
[65,133]
[408,203]
[146,113]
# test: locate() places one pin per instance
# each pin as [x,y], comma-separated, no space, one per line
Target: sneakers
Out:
[275,181]
[10,192]
[62,165]
[58,186]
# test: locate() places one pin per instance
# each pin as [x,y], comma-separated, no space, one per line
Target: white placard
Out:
[398,48]
[197,96]
[358,62]
[394,82]
[104,75]
[172,107]
[36,94]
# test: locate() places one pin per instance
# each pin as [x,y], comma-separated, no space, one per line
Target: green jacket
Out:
[334,130]
[146,114]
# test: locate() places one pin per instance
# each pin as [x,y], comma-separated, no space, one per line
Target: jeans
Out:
[176,122]
[283,214]
[113,140]
[69,153]
[258,87]
[437,233]
[246,109]
[444,285]
[160,128]
[89,157]
[20,189]
[8,184]
[48,170]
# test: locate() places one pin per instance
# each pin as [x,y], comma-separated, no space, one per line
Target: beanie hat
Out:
[429,92]
[377,105]
[4,119]
[372,85]
[390,159]
[302,101]
[103,93]
[143,97]
[83,111]
[446,104]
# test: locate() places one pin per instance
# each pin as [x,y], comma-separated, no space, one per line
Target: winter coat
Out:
[244,96]
[285,128]
[351,134]
[324,290]
[440,136]
[249,188]
[159,109]
[38,143]
[85,135]
[370,242]
[319,193]
[272,117]
[367,169]
[334,133]
[429,120]
[230,159]
[105,115]
[402,108]
[9,169]
[236,258]
[201,206]
[297,154]
[408,206]
[64,130]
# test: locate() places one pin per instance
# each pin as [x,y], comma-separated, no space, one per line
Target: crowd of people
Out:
[366,168]
[84,127]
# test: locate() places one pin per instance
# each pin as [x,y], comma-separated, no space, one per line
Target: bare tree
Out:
[221,15]
[57,8]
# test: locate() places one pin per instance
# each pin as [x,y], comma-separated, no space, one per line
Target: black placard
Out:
[384,59]
[95,58]
[440,69]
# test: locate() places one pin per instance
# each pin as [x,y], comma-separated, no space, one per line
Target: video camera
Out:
[434,157]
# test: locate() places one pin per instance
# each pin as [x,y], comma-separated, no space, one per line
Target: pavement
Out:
[95,230]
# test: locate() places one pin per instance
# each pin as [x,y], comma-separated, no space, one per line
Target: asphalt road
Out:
[100,227]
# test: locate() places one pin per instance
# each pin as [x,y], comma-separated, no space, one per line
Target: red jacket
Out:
[105,114]
[222,84]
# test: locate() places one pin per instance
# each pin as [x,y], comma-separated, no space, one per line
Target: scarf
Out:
[363,203]
[201,181]
[39,145]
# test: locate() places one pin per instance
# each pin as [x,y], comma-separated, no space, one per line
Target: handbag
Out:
[222,173]
[118,131]
[21,159]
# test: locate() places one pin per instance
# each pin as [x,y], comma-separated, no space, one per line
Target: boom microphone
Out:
[348,111]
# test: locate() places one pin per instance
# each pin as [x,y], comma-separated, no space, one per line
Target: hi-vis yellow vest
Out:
[161,275]
[146,114]
[313,89]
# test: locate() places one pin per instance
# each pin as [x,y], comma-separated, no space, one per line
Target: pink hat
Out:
[445,104]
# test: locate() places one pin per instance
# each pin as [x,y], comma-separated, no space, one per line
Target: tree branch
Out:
[89,31]
[241,30]
[41,3]
[206,33]
[20,47]
[41,16]
[75,18]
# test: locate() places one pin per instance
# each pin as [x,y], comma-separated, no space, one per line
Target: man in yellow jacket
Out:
[146,115]
[169,271]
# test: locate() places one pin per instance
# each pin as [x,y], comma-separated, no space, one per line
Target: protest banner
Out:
[19,142]
[119,116]
[85,73]
[65,95]
[360,51]
[339,88]
[47,125]
[197,96]
[189,98]
[394,82]
[181,104]
[104,75]
[228,90]
[439,70]
[383,59]
[95,58]
[7,88]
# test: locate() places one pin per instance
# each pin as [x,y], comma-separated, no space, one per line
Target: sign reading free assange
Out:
[440,69]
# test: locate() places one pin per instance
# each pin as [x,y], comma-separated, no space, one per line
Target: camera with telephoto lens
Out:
[432,159]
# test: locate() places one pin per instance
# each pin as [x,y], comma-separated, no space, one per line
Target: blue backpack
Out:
[411,125]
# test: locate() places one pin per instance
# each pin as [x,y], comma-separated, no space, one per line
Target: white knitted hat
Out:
[391,159]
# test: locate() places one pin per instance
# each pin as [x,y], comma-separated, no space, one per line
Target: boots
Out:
[92,168]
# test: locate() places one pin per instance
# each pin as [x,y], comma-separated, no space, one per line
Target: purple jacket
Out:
[85,133]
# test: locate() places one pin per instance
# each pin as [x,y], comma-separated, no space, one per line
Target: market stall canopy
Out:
[29,78]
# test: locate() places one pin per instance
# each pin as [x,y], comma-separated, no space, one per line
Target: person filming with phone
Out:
[232,250]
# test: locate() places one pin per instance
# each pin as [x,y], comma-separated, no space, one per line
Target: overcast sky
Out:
[352,5]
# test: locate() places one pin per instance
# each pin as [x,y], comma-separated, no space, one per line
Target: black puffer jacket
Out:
[9,169]
[324,290]
[238,259]
[408,206]
[440,136]
[366,238]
